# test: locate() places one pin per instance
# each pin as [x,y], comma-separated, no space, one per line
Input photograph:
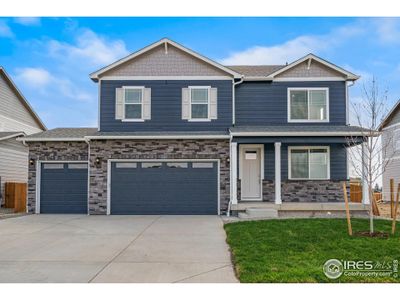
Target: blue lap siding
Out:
[166,106]
[265,103]
[338,160]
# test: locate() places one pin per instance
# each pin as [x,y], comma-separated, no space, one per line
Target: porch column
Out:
[233,170]
[365,192]
[278,199]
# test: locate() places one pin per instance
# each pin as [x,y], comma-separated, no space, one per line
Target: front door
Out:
[251,174]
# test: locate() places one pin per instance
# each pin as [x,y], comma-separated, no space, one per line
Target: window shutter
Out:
[213,103]
[147,104]
[185,104]
[119,103]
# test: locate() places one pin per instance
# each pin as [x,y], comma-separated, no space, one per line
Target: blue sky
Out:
[50,58]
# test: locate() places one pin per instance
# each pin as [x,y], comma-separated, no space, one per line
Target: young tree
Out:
[370,159]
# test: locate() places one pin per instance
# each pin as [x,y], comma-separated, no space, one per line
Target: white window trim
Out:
[327,148]
[133,88]
[208,119]
[308,89]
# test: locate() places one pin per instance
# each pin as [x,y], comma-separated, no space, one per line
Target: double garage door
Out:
[151,187]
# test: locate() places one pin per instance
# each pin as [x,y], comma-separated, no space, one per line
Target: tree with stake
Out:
[366,159]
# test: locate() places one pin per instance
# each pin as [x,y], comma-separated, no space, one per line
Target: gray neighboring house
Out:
[17,118]
[182,134]
[390,129]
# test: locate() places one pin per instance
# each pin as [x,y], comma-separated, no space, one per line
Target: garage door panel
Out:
[63,190]
[164,190]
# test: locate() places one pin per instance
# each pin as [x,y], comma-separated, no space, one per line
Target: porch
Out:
[265,172]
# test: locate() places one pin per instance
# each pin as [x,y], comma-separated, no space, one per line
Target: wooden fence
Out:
[15,196]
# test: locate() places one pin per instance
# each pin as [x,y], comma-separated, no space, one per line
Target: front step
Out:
[259,213]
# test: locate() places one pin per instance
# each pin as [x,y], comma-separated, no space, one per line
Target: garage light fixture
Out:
[31,162]
[98,161]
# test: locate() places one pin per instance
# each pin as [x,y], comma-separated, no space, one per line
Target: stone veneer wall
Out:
[268,190]
[312,191]
[51,151]
[152,149]
[302,191]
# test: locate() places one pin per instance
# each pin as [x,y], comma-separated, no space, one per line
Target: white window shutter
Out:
[119,103]
[147,104]
[185,104]
[213,103]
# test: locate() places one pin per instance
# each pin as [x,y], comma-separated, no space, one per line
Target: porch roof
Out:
[299,130]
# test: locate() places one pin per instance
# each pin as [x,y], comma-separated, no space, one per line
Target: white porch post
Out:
[365,191]
[278,199]
[233,165]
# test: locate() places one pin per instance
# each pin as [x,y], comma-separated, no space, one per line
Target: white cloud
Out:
[41,80]
[89,47]
[37,77]
[292,49]
[388,30]
[5,30]
[28,21]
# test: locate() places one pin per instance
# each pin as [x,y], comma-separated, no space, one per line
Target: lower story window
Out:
[309,163]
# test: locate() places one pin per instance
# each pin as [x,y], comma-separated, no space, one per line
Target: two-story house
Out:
[17,118]
[182,134]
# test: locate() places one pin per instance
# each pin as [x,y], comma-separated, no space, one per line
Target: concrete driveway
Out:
[65,248]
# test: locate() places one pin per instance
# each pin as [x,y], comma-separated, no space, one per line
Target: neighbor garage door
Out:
[63,188]
[187,188]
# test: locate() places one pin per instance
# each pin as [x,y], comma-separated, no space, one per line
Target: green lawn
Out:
[295,250]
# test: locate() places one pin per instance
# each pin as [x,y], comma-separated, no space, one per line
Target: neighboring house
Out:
[181,134]
[17,118]
[390,129]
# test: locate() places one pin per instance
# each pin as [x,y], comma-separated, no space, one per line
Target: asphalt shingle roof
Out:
[297,128]
[60,133]
[256,71]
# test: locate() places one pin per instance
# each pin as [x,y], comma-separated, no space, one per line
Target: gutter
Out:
[302,133]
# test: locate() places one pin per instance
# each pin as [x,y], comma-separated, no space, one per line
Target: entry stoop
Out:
[259,213]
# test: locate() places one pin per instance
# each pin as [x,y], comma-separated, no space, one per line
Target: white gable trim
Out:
[388,116]
[95,75]
[349,75]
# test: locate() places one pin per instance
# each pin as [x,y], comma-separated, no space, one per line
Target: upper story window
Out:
[200,103]
[133,103]
[308,105]
[309,163]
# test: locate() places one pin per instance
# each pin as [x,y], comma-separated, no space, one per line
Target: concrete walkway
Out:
[65,248]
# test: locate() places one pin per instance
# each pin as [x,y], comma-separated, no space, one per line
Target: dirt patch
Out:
[384,209]
[378,234]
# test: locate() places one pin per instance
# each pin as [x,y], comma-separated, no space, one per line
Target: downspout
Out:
[348,102]
[88,179]
[234,98]
[228,212]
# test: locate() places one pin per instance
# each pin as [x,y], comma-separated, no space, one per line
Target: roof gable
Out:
[312,66]
[392,118]
[10,92]
[164,58]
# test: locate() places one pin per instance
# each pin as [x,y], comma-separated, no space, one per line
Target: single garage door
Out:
[63,188]
[174,188]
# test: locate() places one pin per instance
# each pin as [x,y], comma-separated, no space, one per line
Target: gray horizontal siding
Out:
[265,103]
[338,159]
[166,106]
